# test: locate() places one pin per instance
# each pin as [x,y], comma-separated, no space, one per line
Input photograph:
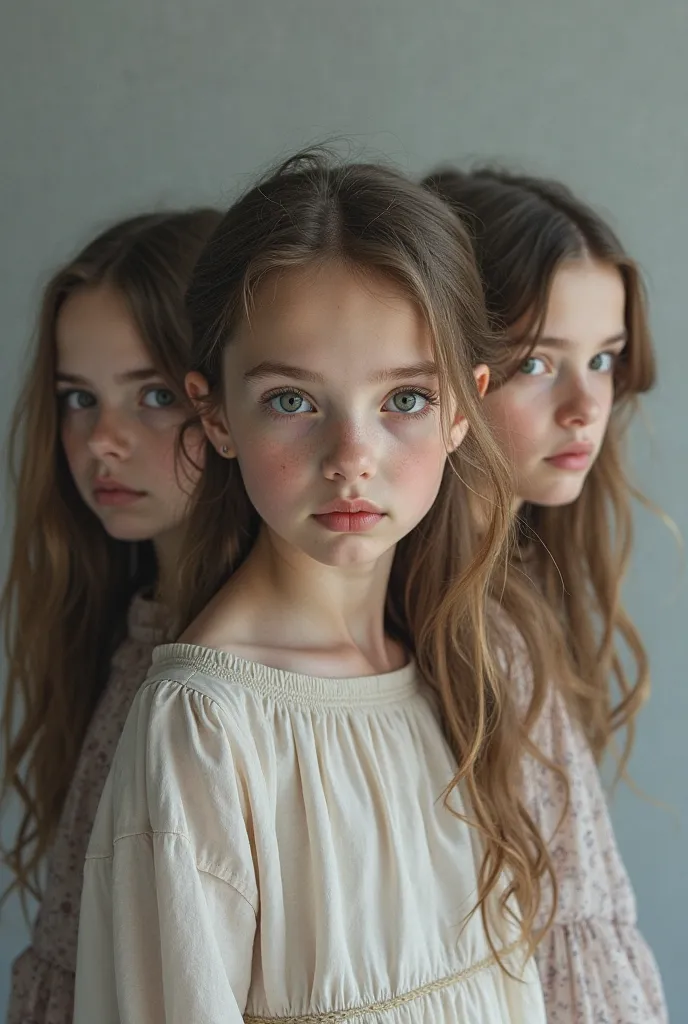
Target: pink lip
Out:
[107,492]
[350,507]
[355,516]
[573,457]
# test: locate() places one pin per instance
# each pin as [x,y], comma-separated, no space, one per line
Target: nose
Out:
[110,437]
[350,455]
[579,407]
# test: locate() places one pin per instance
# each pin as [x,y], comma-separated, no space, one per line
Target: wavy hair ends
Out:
[69,584]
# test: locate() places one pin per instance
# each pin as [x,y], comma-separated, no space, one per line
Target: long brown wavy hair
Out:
[314,209]
[523,229]
[69,584]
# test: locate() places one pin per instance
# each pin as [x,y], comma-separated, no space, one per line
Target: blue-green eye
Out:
[533,366]
[406,402]
[603,362]
[289,403]
[159,398]
[76,401]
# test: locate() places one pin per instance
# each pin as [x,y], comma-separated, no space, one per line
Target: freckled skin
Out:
[569,396]
[347,440]
[329,394]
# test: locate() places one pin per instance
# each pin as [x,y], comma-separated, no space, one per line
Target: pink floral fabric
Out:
[43,976]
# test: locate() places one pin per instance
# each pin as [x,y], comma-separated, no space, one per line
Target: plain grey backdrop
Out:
[110,108]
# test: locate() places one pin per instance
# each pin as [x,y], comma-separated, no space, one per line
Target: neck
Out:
[285,606]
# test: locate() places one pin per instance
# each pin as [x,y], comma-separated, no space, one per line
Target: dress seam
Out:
[192,666]
[281,696]
[384,1006]
[180,835]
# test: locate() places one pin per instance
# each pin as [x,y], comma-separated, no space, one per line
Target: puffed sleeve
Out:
[169,904]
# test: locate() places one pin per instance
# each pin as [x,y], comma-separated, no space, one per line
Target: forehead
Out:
[332,315]
[95,333]
[587,302]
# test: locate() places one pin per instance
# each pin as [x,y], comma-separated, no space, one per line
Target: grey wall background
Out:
[112,108]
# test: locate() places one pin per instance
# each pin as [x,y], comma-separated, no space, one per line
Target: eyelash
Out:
[431,397]
[614,356]
[64,396]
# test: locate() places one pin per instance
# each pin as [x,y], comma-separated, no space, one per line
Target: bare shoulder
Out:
[224,624]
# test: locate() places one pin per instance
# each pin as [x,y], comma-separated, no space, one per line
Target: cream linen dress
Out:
[274,847]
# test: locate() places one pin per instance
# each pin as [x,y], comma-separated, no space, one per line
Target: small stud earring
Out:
[225,449]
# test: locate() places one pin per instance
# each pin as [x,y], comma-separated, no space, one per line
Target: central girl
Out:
[313,811]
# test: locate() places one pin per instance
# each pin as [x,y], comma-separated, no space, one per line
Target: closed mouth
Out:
[110,494]
[110,487]
[572,450]
[354,507]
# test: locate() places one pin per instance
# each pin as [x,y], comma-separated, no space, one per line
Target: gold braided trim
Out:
[337,1016]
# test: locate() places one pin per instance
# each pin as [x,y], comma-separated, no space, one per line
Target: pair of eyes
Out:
[407,401]
[535,366]
[286,402]
[77,400]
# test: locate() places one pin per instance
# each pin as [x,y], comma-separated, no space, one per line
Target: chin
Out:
[119,529]
[345,550]
[556,497]
[350,553]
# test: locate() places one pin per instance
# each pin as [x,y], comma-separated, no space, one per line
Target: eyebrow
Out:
[270,369]
[146,373]
[424,369]
[565,343]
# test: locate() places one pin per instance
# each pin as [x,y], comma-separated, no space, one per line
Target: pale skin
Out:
[329,393]
[119,425]
[562,396]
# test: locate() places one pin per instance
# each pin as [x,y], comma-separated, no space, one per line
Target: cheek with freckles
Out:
[276,475]
[412,477]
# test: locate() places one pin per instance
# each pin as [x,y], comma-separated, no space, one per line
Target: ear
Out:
[482,378]
[212,416]
[459,427]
